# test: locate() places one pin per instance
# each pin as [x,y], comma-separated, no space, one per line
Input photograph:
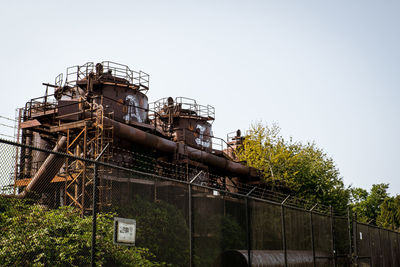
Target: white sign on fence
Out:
[124,231]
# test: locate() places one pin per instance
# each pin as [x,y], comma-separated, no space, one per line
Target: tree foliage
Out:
[34,236]
[367,205]
[303,168]
[376,207]
[389,216]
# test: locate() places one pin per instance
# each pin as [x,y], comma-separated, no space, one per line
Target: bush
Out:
[31,235]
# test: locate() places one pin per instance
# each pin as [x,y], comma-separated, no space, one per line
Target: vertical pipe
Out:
[66,168]
[17,150]
[312,237]
[22,157]
[28,154]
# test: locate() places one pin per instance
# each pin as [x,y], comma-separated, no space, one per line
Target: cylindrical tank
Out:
[114,86]
[38,157]
[193,132]
[186,120]
[127,104]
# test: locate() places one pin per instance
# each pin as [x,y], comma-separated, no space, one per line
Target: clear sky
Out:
[325,71]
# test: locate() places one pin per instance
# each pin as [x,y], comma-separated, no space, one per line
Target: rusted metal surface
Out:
[66,126]
[186,120]
[29,124]
[68,109]
[125,103]
[56,179]
[147,139]
[234,141]
[105,103]
[48,170]
[270,258]
[193,132]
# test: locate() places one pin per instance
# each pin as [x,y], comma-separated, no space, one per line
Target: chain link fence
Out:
[58,209]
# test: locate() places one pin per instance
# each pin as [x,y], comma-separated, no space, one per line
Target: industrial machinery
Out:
[103,107]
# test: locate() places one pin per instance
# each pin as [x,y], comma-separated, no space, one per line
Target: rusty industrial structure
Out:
[103,107]
[155,151]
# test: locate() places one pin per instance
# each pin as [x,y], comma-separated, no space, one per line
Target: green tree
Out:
[389,216]
[304,169]
[368,205]
[31,235]
[358,194]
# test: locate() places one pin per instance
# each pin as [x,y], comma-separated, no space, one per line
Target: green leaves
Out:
[34,236]
[376,207]
[389,216]
[304,169]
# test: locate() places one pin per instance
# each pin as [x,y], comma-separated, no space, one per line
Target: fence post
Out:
[398,247]
[190,208]
[94,203]
[349,232]
[370,247]
[190,224]
[248,225]
[312,234]
[355,232]
[333,237]
[380,247]
[94,217]
[284,229]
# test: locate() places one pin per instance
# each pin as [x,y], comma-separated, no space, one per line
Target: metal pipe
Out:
[136,135]
[42,178]
[270,258]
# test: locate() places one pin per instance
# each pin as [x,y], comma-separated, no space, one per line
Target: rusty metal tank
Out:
[126,103]
[120,91]
[186,120]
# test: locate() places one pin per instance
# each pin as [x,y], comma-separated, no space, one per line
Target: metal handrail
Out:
[185,103]
[79,72]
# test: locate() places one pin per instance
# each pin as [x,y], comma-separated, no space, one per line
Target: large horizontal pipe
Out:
[42,178]
[271,258]
[138,136]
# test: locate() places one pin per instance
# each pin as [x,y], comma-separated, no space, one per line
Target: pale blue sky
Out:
[325,71]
